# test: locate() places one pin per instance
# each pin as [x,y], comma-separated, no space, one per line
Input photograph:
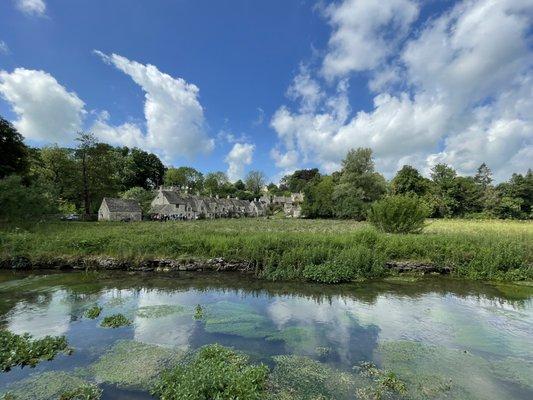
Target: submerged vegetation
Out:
[214,372]
[22,350]
[316,250]
[93,312]
[115,321]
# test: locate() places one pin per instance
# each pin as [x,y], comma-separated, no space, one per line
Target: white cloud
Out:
[174,116]
[46,111]
[365,33]
[260,117]
[238,158]
[4,49]
[32,7]
[468,91]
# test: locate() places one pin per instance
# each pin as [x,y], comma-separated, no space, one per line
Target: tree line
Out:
[53,179]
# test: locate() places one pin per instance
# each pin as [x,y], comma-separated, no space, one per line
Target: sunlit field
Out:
[290,249]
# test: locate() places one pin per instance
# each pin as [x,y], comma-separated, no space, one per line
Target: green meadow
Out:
[327,251]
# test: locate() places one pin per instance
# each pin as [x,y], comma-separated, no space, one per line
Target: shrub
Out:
[115,321]
[328,273]
[214,372]
[398,214]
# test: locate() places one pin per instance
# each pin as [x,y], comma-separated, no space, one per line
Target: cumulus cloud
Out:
[32,7]
[238,158]
[46,111]
[174,116]
[365,32]
[467,91]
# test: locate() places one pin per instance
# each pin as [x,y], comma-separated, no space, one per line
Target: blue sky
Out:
[278,85]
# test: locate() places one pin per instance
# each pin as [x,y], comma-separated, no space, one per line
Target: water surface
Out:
[447,338]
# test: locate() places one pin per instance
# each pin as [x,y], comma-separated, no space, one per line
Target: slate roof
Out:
[122,205]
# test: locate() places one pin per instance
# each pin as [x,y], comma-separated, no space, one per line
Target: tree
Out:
[58,167]
[186,178]
[255,180]
[318,198]
[443,178]
[297,181]
[13,151]
[483,176]
[359,185]
[214,183]
[21,201]
[239,185]
[85,142]
[408,180]
[142,169]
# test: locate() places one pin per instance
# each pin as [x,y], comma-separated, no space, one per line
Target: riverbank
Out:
[316,250]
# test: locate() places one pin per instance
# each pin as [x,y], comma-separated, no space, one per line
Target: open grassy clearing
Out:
[290,249]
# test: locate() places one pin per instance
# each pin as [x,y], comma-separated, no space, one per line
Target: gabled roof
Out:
[121,205]
[174,197]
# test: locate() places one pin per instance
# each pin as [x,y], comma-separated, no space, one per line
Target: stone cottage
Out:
[113,209]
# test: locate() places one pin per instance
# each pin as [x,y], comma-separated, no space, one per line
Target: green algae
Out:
[93,312]
[133,364]
[213,372]
[53,385]
[115,321]
[515,370]
[302,378]
[198,312]
[237,319]
[438,372]
[160,311]
[23,350]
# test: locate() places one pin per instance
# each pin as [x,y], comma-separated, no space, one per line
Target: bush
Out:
[214,372]
[398,214]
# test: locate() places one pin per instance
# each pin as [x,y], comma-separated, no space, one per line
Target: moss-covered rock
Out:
[133,364]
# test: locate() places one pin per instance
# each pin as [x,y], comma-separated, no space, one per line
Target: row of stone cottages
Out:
[170,204]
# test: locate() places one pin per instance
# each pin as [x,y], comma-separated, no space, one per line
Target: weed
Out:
[115,321]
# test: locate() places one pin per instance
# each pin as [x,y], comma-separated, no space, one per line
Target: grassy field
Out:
[318,250]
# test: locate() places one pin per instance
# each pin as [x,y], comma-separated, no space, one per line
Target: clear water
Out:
[477,338]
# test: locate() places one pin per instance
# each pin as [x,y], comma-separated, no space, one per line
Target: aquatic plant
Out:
[93,312]
[24,350]
[299,339]
[198,312]
[133,364]
[160,311]
[384,384]
[213,372]
[53,385]
[115,321]
[297,377]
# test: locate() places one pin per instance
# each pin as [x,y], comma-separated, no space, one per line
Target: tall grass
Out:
[319,250]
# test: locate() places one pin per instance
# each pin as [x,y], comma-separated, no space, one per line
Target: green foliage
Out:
[399,214]
[84,392]
[20,201]
[298,180]
[93,312]
[198,312]
[328,273]
[214,372]
[115,321]
[13,151]
[318,198]
[184,177]
[23,350]
[384,384]
[255,180]
[409,181]
[160,311]
[358,186]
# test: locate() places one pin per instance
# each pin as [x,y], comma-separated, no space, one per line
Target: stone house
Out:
[113,209]
[171,204]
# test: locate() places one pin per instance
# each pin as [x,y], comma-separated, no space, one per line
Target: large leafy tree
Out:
[297,181]
[359,185]
[255,180]
[142,169]
[13,151]
[215,183]
[318,198]
[184,177]
[409,181]
[20,200]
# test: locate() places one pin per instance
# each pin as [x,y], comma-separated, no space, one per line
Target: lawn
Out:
[290,249]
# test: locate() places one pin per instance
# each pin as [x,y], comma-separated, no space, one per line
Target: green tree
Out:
[297,181]
[255,180]
[408,180]
[215,182]
[21,201]
[13,151]
[359,185]
[483,176]
[142,169]
[184,177]
[318,198]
